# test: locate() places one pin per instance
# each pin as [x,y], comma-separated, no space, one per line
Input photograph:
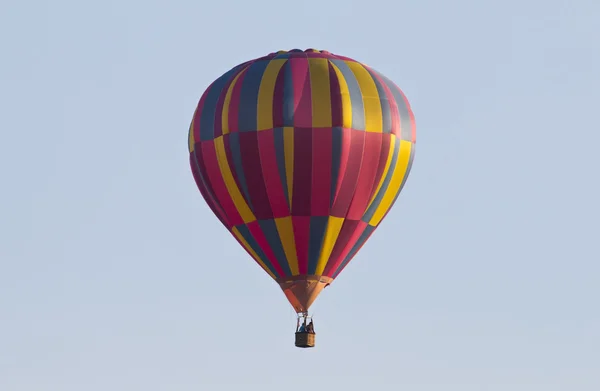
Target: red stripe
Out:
[321,171]
[253,173]
[346,135]
[301,226]
[260,238]
[366,177]
[336,98]
[209,156]
[270,170]
[383,156]
[302,93]
[344,197]
[278,98]
[206,193]
[349,234]
[234,103]
[302,172]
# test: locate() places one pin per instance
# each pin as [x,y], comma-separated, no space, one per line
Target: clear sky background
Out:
[115,275]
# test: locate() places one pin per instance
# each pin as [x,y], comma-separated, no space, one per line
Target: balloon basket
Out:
[305,340]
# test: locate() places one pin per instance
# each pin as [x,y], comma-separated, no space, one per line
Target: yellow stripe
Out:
[234,192]
[286,235]
[266,93]
[252,253]
[320,92]
[288,152]
[370,97]
[346,102]
[394,187]
[226,103]
[191,142]
[388,162]
[334,225]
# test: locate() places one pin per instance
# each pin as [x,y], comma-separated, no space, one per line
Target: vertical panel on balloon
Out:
[407,129]
[366,177]
[266,95]
[215,177]
[321,171]
[233,109]
[348,183]
[336,98]
[280,154]
[373,115]
[385,160]
[231,104]
[238,200]
[289,104]
[272,179]
[320,90]
[208,113]
[386,100]
[302,173]
[355,106]
[398,174]
[286,235]
[234,159]
[254,176]
[206,192]
[259,236]
[387,177]
[406,174]
[318,225]
[301,225]
[248,104]
[302,92]
[334,225]
[269,228]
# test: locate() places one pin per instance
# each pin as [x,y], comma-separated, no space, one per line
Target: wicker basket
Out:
[305,340]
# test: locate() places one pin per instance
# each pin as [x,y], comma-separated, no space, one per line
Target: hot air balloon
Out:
[301,155]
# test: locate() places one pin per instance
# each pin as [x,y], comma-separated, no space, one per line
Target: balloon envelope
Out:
[301,154]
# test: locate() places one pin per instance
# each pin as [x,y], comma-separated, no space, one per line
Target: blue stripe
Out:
[269,229]
[358,110]
[361,240]
[385,104]
[245,232]
[318,225]
[386,182]
[288,95]
[282,56]
[405,125]
[248,109]
[236,155]
[207,118]
[280,153]
[336,157]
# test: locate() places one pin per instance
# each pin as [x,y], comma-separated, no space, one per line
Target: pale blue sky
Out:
[114,274]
